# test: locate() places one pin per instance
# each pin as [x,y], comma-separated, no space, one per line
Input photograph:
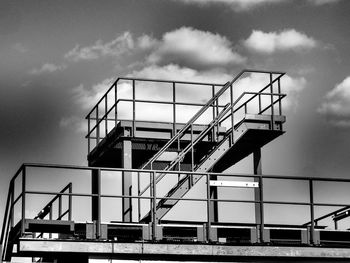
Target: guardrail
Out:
[105,115]
[18,204]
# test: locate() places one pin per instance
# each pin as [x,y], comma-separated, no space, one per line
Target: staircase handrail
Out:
[194,118]
[217,120]
[188,147]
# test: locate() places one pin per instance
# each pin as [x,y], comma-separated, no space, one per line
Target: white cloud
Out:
[47,68]
[194,48]
[115,47]
[88,97]
[336,104]
[322,2]
[73,122]
[237,5]
[175,72]
[185,46]
[285,40]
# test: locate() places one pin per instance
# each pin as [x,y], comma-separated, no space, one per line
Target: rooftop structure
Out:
[159,187]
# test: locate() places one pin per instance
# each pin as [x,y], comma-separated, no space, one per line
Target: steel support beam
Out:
[259,211]
[193,252]
[127,180]
[96,200]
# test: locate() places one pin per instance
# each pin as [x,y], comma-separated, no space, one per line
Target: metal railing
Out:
[100,121]
[9,221]
[105,115]
[226,113]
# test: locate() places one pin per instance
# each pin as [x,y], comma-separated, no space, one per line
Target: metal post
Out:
[312,214]
[279,99]
[50,218]
[97,127]
[116,104]
[209,209]
[232,113]
[89,146]
[192,153]
[258,193]
[70,202]
[154,207]
[138,199]
[174,109]
[59,206]
[106,121]
[133,108]
[272,106]
[127,180]
[12,209]
[259,103]
[96,199]
[214,135]
[23,200]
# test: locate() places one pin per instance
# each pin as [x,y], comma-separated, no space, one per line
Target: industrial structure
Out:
[158,185]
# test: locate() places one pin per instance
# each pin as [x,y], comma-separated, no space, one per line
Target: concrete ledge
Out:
[149,250]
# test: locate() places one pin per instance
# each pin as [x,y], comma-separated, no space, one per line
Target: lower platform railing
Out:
[264,203]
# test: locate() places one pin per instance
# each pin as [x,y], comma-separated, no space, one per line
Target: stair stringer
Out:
[186,183]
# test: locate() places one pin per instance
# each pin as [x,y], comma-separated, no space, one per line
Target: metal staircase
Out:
[228,146]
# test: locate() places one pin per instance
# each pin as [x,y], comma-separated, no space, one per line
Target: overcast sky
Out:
[58,57]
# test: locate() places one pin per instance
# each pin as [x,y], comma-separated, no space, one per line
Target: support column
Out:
[127,180]
[96,200]
[95,189]
[214,207]
[258,194]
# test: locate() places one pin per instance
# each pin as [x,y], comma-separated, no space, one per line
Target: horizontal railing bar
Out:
[265,176]
[169,102]
[172,81]
[182,199]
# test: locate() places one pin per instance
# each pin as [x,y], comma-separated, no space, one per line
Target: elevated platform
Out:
[180,252]
[251,133]
[148,139]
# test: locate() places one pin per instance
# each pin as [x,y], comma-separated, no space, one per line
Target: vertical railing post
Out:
[106,115]
[116,104]
[209,210]
[174,109]
[232,112]
[259,103]
[23,214]
[59,206]
[154,206]
[138,197]
[70,202]
[192,152]
[133,108]
[12,209]
[272,106]
[214,135]
[89,134]
[312,212]
[96,199]
[97,127]
[279,98]
[262,219]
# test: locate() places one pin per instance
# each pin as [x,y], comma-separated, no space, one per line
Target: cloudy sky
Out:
[58,57]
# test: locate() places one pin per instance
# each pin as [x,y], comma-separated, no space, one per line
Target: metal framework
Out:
[120,204]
